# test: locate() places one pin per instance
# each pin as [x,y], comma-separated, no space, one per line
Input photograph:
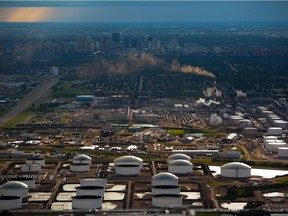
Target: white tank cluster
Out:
[81,163]
[273,118]
[89,194]
[165,190]
[14,188]
[128,165]
[234,119]
[235,170]
[215,120]
[272,143]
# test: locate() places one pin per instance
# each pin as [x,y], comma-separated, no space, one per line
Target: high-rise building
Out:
[116,37]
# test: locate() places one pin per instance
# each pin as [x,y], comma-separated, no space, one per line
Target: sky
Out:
[143,11]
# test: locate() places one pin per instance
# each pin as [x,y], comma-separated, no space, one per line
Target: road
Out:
[32,97]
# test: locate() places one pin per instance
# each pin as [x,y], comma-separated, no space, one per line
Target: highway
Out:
[32,97]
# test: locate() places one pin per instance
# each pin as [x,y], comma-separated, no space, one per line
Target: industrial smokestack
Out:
[215,88]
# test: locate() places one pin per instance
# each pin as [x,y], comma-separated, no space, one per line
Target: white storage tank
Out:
[283,152]
[81,167]
[86,202]
[26,180]
[178,156]
[35,160]
[31,168]
[234,120]
[235,170]
[244,123]
[165,189]
[275,131]
[164,178]
[93,182]
[82,159]
[90,190]
[167,200]
[280,123]
[250,131]
[128,160]
[273,147]
[266,138]
[180,167]
[14,188]
[215,120]
[127,170]
[10,202]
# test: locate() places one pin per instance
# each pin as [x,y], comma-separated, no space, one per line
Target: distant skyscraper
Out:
[116,37]
[80,42]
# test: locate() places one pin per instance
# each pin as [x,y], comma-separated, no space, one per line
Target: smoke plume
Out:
[132,63]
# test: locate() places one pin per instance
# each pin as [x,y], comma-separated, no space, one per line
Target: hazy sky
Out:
[142,11]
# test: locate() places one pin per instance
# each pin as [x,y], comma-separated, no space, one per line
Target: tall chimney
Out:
[215,89]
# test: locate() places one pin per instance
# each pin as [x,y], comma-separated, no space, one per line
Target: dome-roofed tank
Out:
[129,159]
[235,170]
[30,182]
[180,167]
[10,202]
[164,178]
[215,120]
[14,188]
[82,158]
[178,156]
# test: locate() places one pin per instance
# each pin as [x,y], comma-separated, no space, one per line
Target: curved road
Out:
[33,96]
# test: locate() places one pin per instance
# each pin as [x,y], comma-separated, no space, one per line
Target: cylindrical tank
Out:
[180,167]
[81,167]
[128,160]
[14,188]
[35,160]
[93,182]
[235,170]
[283,152]
[178,156]
[273,147]
[165,189]
[31,168]
[82,159]
[250,131]
[167,200]
[10,202]
[244,123]
[275,131]
[234,120]
[26,180]
[90,190]
[165,178]
[280,123]
[127,170]
[215,120]
[86,202]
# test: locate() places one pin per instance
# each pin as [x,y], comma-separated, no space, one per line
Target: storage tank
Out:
[81,167]
[235,170]
[180,167]
[14,188]
[35,160]
[250,131]
[234,120]
[273,147]
[82,159]
[167,200]
[275,131]
[86,202]
[127,170]
[31,168]
[283,152]
[165,178]
[127,160]
[10,202]
[93,182]
[26,180]
[178,156]
[90,190]
[280,123]
[244,123]
[165,189]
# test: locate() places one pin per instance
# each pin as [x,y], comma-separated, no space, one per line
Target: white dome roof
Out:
[14,185]
[235,165]
[215,119]
[128,159]
[180,162]
[179,156]
[82,157]
[165,176]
